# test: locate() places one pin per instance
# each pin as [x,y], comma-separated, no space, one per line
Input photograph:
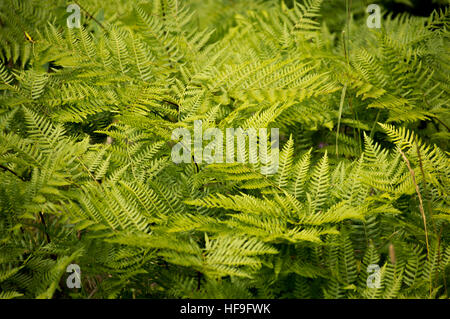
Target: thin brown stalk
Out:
[90,16]
[430,212]
[47,236]
[422,212]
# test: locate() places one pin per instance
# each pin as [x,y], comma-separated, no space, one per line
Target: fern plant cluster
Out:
[86,176]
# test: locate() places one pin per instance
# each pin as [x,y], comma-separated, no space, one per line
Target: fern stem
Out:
[6,169]
[47,236]
[341,104]
[430,212]
[90,16]
[445,125]
[372,131]
[420,198]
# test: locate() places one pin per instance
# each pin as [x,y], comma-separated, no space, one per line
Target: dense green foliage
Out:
[86,176]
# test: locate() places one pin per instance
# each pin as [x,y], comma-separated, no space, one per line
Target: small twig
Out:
[45,227]
[387,240]
[88,171]
[341,104]
[90,16]
[392,253]
[93,292]
[419,195]
[445,125]
[435,117]
[196,165]
[430,212]
[6,169]
[172,103]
